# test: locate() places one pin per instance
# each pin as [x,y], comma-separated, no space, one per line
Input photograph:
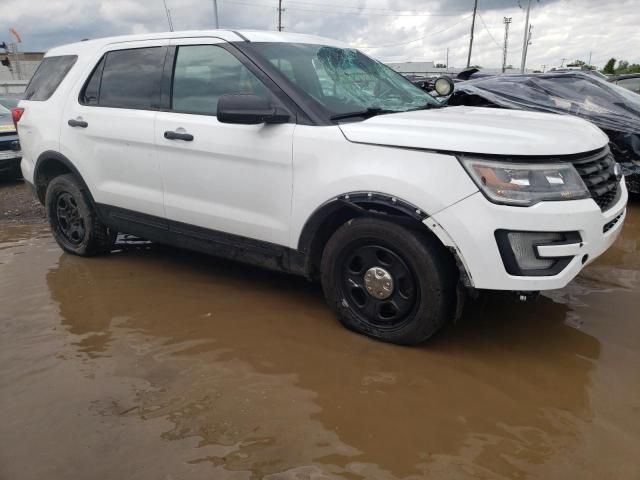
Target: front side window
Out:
[130,78]
[343,80]
[203,73]
[48,77]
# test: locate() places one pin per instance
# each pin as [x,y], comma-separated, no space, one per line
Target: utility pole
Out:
[447,59]
[507,22]
[280,10]
[562,64]
[525,42]
[473,25]
[589,64]
[216,23]
[526,49]
[544,67]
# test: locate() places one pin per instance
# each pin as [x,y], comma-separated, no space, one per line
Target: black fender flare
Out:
[51,155]
[362,203]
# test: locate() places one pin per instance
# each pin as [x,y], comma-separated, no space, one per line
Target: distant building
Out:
[421,69]
[412,67]
[15,75]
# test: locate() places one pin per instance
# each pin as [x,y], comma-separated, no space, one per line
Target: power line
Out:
[489,32]
[417,39]
[342,12]
[407,12]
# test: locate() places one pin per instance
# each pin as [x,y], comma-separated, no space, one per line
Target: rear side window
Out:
[126,79]
[48,76]
[91,91]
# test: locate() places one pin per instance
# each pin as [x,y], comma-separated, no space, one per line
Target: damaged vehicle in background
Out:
[630,81]
[10,153]
[612,108]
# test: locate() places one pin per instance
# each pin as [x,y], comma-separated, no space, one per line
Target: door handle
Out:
[77,123]
[169,135]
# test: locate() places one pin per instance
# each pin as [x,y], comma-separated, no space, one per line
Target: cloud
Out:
[401,29]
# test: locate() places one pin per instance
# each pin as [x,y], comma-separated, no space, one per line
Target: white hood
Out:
[479,130]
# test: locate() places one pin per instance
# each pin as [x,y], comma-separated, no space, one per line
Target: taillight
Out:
[16,115]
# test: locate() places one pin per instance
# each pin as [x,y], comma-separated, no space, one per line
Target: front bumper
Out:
[469,227]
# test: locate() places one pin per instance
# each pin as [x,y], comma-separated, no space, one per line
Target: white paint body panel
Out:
[326,165]
[231,178]
[480,130]
[115,153]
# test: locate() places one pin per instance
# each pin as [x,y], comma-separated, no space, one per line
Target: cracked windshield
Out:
[343,80]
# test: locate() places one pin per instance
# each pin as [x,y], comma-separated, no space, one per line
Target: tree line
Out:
[622,67]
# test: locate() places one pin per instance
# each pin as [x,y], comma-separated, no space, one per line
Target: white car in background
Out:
[301,154]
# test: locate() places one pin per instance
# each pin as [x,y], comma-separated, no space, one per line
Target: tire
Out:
[73,218]
[409,309]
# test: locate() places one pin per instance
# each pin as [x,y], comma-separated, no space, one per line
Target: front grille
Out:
[597,172]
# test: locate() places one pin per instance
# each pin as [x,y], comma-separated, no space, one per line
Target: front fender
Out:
[429,181]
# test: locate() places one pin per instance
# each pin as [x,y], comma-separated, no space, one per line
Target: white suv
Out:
[303,155]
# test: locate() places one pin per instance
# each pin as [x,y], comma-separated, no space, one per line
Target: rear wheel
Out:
[73,218]
[388,281]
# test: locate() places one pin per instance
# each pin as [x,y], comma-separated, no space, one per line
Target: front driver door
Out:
[230,178]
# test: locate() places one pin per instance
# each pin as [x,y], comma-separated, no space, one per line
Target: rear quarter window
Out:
[48,77]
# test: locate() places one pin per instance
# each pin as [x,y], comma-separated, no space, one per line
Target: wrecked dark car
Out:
[612,108]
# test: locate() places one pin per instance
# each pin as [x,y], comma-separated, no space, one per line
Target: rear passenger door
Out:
[108,127]
[235,179]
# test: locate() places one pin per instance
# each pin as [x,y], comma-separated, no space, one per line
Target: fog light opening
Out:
[585,258]
[519,251]
[524,244]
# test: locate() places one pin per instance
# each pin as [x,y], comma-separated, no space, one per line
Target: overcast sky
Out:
[391,30]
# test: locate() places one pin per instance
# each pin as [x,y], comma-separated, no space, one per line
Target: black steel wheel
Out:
[74,221]
[379,284]
[70,221]
[389,281]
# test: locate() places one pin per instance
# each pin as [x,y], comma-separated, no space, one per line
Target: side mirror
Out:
[443,86]
[249,110]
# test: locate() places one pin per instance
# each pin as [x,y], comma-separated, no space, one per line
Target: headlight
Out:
[525,184]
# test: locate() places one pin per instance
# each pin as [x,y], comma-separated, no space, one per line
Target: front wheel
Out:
[388,281]
[73,218]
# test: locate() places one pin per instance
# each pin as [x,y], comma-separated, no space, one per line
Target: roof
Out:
[228,35]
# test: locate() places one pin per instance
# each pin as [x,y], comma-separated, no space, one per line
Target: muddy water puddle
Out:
[154,363]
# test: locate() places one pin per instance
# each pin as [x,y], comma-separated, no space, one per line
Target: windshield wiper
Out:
[368,113]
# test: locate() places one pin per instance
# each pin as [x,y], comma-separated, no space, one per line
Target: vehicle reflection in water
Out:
[246,371]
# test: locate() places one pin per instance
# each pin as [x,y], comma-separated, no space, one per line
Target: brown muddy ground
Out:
[159,364]
[17,204]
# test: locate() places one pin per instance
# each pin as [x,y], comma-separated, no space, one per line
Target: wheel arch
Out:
[49,165]
[332,214]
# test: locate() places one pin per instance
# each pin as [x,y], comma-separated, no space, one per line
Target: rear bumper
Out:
[9,159]
[469,226]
